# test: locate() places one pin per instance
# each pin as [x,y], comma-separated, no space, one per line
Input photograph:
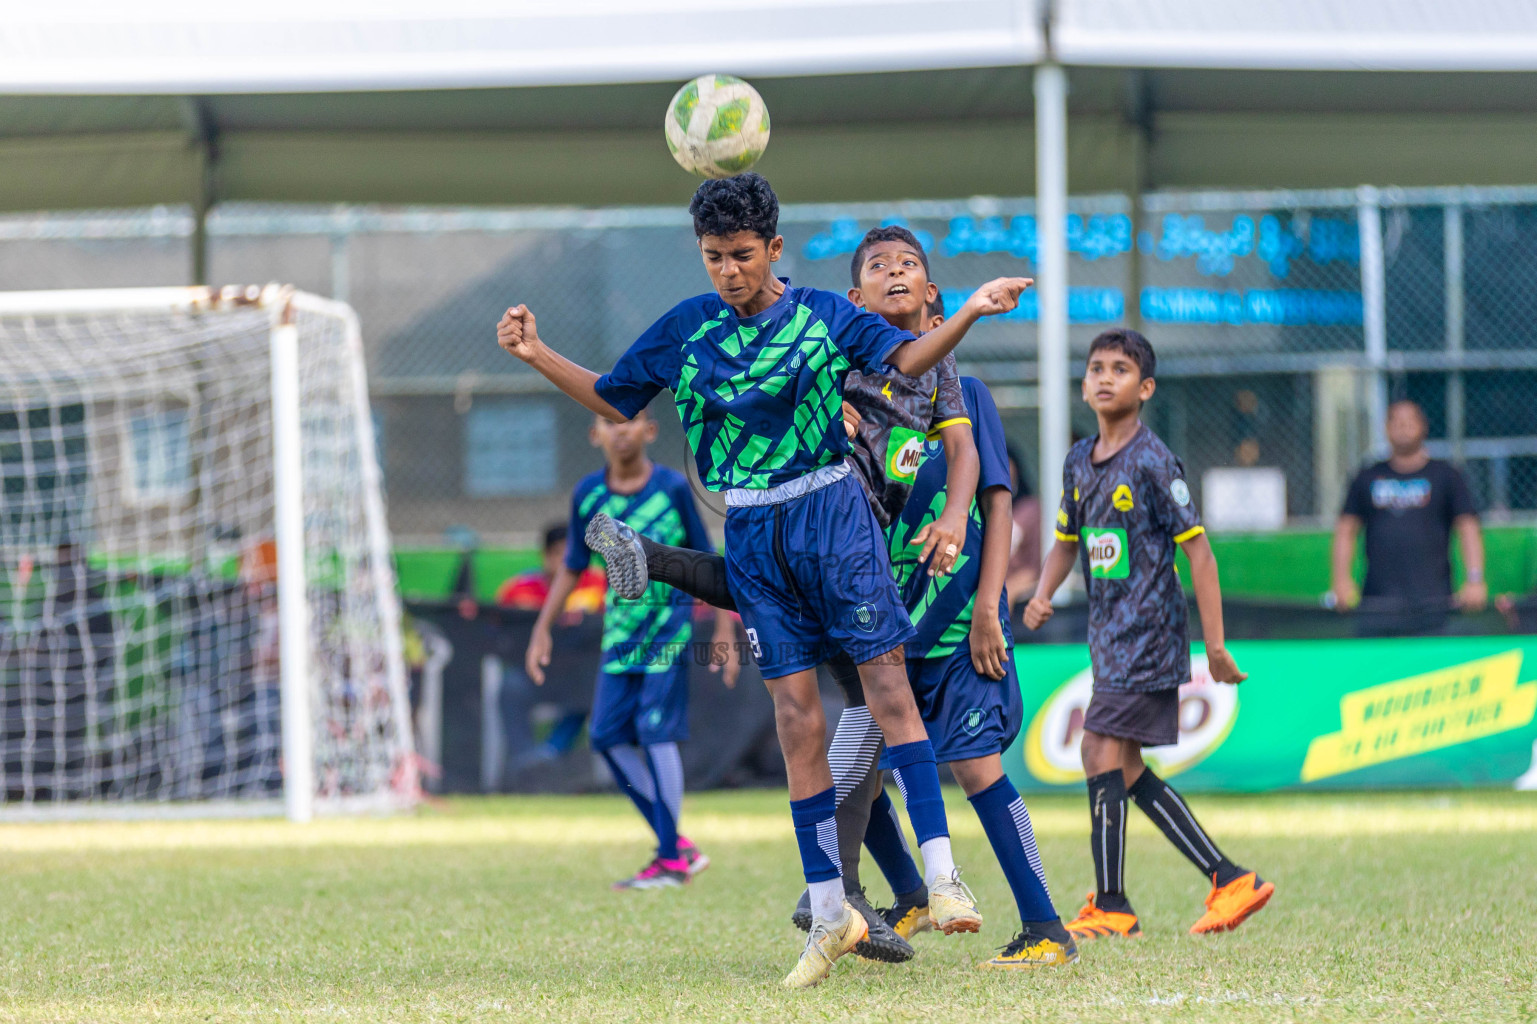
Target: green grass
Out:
[1389,907]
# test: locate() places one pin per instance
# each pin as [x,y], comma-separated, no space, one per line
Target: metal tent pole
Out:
[1051,284]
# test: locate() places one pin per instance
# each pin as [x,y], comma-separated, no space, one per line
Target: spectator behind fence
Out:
[1409,506]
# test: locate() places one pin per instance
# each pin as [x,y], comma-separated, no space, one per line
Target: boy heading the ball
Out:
[756,372]
[1125,508]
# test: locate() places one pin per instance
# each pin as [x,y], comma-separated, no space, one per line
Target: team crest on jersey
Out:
[1180,492]
[1121,499]
[971,722]
[864,617]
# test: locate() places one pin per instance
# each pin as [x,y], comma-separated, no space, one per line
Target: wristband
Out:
[1475,575]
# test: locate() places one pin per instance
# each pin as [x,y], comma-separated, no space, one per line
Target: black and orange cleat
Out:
[1231,905]
[1094,923]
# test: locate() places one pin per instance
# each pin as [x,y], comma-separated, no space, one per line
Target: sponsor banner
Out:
[1313,714]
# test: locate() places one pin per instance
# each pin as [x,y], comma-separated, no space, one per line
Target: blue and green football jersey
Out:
[941,607]
[652,632]
[760,397]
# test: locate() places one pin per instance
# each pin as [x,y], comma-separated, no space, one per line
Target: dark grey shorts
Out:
[1150,718]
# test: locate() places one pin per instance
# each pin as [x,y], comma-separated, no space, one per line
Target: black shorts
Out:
[1152,719]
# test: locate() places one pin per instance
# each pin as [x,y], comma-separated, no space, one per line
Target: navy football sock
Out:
[816,832]
[918,779]
[1008,829]
[1163,805]
[1107,812]
[667,769]
[887,844]
[632,771]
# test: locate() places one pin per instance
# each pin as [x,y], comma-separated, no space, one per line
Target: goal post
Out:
[198,611]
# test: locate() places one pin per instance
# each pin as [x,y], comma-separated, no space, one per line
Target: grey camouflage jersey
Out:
[898,413]
[1127,515]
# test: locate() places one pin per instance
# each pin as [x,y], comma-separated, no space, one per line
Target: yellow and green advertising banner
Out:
[1313,714]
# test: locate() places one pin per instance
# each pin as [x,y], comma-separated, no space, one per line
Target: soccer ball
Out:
[717,126]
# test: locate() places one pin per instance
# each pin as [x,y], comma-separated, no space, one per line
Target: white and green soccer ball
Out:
[717,126]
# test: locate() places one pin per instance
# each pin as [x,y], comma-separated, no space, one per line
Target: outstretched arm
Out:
[519,335]
[1208,598]
[923,354]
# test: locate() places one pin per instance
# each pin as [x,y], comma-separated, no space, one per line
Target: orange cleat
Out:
[1094,923]
[1230,905]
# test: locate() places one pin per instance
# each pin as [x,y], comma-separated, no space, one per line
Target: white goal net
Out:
[197,605]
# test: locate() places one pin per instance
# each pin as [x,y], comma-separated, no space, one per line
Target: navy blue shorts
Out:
[640,708]
[812,575]
[967,714]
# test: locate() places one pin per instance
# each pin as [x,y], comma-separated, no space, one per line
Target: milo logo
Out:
[904,454]
[1107,553]
[1207,711]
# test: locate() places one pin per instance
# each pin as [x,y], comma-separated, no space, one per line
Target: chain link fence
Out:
[1281,336]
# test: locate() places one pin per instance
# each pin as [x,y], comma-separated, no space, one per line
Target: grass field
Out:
[1388,908]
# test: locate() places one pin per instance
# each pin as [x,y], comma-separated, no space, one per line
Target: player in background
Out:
[640,704]
[756,369]
[1125,507]
[887,416]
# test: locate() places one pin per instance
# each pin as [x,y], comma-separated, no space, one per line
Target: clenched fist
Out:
[517,333]
[1037,612]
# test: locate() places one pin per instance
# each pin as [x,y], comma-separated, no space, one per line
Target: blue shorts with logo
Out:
[640,708]
[967,714]
[811,575]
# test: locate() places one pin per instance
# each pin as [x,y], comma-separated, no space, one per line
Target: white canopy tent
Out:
[540,101]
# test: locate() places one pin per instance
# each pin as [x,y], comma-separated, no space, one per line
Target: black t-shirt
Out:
[1408,519]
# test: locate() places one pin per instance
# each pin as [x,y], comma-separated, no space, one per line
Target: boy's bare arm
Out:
[539,640]
[1208,598]
[519,335]
[1059,562]
[988,647]
[923,354]
[944,537]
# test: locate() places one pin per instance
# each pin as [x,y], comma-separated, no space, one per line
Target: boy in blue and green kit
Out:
[756,371]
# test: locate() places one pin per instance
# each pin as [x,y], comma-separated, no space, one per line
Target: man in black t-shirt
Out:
[1409,506]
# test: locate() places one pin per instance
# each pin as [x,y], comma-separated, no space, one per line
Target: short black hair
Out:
[743,202]
[937,307]
[890,233]
[554,534]
[1129,343]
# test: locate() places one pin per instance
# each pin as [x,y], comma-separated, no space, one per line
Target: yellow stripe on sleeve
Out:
[933,434]
[1194,531]
[1072,537]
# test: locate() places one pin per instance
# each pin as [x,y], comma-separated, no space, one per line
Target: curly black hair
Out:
[891,233]
[744,202]
[1129,343]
